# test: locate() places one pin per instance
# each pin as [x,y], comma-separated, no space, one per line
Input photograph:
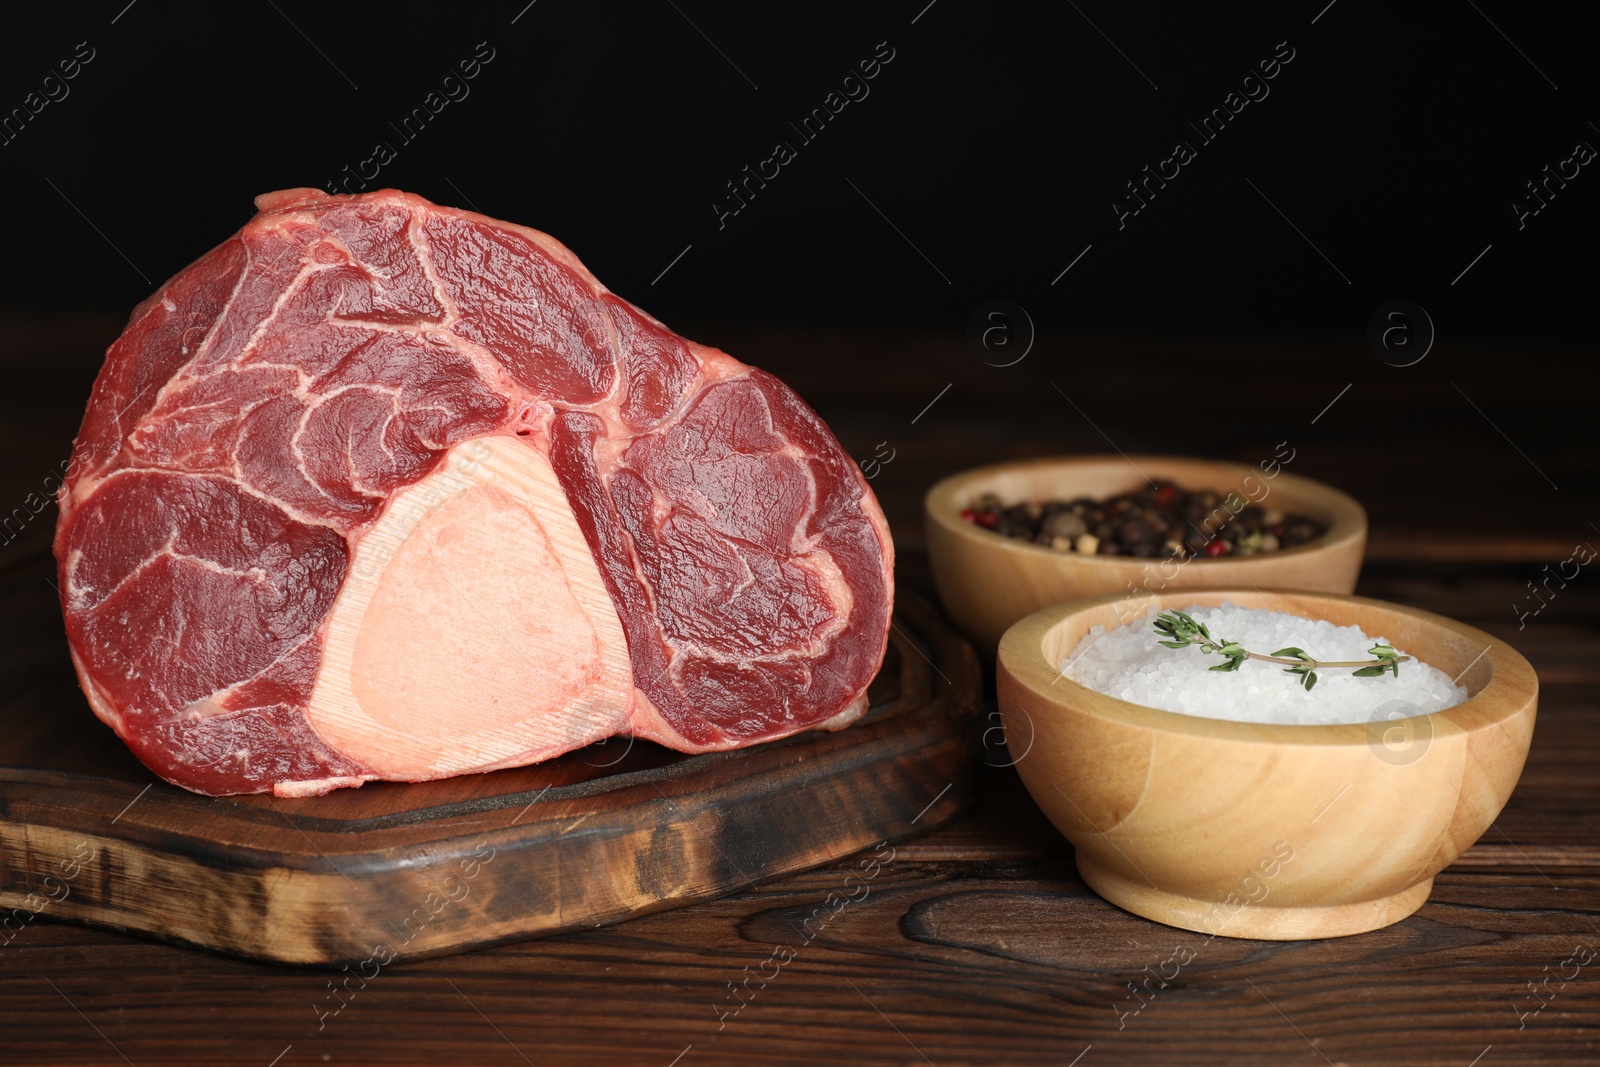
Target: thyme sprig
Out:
[1181,631]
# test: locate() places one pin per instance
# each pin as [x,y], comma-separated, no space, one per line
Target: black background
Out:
[994,141]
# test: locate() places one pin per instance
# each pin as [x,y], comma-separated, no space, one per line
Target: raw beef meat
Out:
[383,490]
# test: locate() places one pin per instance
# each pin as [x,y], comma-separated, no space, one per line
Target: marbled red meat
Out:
[382,489]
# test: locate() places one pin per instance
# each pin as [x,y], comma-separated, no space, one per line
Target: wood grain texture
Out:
[979,943]
[987,582]
[407,871]
[1266,830]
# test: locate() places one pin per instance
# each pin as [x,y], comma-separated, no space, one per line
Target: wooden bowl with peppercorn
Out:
[1265,829]
[1007,540]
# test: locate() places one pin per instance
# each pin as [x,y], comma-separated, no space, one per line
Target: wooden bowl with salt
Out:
[1266,830]
[987,581]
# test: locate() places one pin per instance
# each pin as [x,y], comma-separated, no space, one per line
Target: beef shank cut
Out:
[379,489]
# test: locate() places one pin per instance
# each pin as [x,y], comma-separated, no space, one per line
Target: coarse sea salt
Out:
[1127,663]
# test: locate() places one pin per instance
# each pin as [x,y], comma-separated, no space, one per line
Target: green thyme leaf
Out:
[1183,632]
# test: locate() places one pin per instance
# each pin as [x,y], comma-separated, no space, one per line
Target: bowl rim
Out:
[1348,523]
[1513,686]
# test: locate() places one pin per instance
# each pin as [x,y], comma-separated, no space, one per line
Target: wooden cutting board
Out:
[394,871]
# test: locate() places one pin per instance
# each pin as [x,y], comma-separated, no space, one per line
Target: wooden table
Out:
[978,943]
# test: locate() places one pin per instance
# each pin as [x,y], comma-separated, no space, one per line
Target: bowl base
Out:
[1261,922]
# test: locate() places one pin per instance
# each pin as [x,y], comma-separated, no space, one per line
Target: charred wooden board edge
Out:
[663,838]
[319,919]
